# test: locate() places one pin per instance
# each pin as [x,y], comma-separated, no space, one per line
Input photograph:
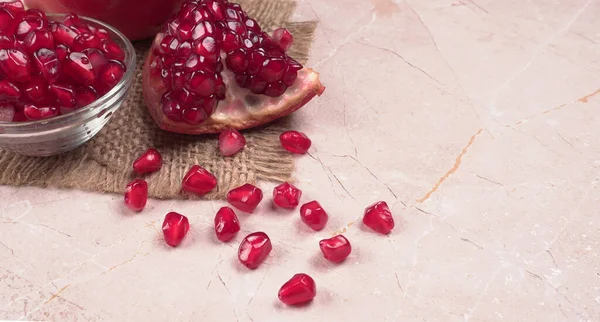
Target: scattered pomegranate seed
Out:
[313,215]
[149,161]
[136,195]
[335,249]
[254,249]
[379,218]
[298,290]
[283,38]
[286,196]
[245,198]
[295,142]
[175,227]
[198,181]
[226,224]
[231,142]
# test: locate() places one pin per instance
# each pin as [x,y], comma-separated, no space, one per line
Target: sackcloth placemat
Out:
[104,163]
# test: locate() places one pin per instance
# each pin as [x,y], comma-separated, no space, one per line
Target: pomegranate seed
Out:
[28,25]
[7,113]
[171,108]
[335,249]
[175,227]
[245,198]
[6,41]
[237,61]
[254,249]
[47,62]
[86,40]
[150,161]
[226,224]
[14,6]
[273,70]
[97,59]
[231,142]
[110,76]
[194,115]
[313,215]
[64,95]
[112,50]
[36,91]
[298,290]
[102,34]
[201,83]
[62,52]
[38,39]
[379,218]
[72,20]
[282,38]
[136,195]
[8,22]
[286,196]
[198,181]
[78,66]
[85,95]
[63,34]
[15,65]
[295,142]
[9,92]
[34,113]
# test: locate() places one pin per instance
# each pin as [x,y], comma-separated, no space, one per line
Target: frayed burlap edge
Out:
[104,163]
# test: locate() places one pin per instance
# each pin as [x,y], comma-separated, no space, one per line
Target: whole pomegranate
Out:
[136,19]
[212,68]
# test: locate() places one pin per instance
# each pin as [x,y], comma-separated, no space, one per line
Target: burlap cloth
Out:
[104,163]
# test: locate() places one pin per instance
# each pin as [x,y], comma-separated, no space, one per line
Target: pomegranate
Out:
[175,227]
[299,289]
[295,142]
[335,249]
[313,215]
[198,181]
[254,249]
[137,20]
[136,195]
[231,142]
[212,68]
[379,218]
[49,68]
[226,224]
[150,161]
[286,196]
[245,198]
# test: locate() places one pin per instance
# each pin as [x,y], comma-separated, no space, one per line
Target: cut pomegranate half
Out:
[187,89]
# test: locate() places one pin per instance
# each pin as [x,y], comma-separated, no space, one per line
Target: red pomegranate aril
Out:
[227,224]
[313,215]
[47,62]
[29,24]
[14,6]
[34,113]
[86,40]
[61,52]
[237,61]
[198,181]
[63,34]
[112,50]
[102,34]
[9,92]
[230,41]
[194,115]
[85,95]
[275,89]
[335,249]
[96,58]
[36,91]
[72,20]
[295,142]
[282,38]
[78,66]
[8,22]
[149,161]
[15,65]
[286,196]
[110,75]
[231,141]
[379,218]
[175,227]
[216,8]
[201,83]
[299,289]
[136,195]
[171,108]
[6,41]
[7,113]
[245,198]
[254,249]
[272,70]
[38,39]
[64,94]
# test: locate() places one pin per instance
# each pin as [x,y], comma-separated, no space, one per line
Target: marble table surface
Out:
[476,120]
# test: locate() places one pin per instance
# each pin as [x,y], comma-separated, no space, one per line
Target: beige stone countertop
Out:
[476,120]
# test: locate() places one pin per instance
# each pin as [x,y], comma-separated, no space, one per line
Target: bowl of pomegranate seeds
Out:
[61,79]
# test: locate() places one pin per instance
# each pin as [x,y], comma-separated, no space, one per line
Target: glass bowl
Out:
[69,131]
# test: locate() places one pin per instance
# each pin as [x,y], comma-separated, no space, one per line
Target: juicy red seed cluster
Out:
[49,68]
[188,59]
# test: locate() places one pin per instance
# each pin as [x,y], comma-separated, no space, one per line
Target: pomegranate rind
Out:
[233,112]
